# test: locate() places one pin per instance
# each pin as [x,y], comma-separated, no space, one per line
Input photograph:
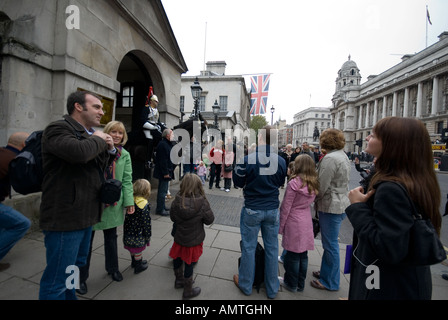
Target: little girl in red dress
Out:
[189,211]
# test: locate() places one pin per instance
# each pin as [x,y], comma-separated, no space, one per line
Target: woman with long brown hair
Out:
[382,218]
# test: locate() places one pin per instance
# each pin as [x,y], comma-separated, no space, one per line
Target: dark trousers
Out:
[215,172]
[227,183]
[110,251]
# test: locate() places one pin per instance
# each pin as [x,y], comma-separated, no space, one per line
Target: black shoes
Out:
[82,288]
[116,276]
[139,265]
[164,213]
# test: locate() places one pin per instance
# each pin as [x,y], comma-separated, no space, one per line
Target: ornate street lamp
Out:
[216,109]
[272,115]
[196,92]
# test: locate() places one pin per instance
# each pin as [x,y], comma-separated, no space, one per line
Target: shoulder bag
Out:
[425,247]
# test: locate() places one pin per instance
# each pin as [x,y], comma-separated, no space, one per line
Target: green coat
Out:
[113,216]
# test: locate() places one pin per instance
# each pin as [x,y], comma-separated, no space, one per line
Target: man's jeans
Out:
[64,249]
[251,222]
[13,226]
[162,190]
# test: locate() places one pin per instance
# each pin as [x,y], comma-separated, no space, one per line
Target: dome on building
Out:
[349,64]
[349,69]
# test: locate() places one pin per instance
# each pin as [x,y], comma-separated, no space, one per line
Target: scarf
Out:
[110,171]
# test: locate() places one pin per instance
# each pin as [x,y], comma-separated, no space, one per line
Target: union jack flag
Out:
[259,93]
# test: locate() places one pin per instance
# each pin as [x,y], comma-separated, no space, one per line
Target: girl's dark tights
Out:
[188,271]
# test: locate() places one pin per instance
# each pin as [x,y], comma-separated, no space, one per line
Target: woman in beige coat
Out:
[334,175]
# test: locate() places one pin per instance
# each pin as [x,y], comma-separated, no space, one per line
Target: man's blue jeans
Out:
[251,222]
[162,190]
[64,249]
[330,225]
[13,226]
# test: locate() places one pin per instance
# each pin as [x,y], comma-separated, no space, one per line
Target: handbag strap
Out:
[417,215]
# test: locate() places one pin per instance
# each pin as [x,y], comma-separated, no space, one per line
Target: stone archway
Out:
[136,73]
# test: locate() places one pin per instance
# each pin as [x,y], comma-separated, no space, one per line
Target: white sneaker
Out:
[222,189]
[227,190]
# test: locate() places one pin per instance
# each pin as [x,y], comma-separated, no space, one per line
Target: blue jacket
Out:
[260,176]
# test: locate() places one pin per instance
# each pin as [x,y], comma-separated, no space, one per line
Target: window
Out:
[202,103]
[127,97]
[439,127]
[223,103]
[182,104]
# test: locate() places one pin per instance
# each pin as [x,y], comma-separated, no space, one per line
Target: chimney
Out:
[443,35]
[216,68]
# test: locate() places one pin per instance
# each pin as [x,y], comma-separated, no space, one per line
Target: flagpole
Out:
[426,18]
[205,44]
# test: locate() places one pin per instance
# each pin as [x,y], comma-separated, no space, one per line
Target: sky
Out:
[303,44]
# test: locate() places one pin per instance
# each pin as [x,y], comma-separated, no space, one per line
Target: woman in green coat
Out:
[113,215]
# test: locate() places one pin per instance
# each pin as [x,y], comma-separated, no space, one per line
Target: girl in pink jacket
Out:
[295,222]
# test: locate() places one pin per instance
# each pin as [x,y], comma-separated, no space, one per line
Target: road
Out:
[346,233]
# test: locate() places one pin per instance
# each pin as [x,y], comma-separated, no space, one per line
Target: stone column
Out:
[418,111]
[406,103]
[375,112]
[367,114]
[394,104]
[360,117]
[384,107]
[435,95]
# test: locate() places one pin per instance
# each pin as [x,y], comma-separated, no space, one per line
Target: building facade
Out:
[229,92]
[417,87]
[115,48]
[309,122]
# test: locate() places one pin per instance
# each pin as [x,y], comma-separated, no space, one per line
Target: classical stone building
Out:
[306,122]
[115,48]
[417,87]
[228,91]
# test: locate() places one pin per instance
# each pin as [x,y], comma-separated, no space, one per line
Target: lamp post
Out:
[196,92]
[272,115]
[216,109]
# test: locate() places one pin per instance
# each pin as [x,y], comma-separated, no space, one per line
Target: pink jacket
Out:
[295,218]
[228,159]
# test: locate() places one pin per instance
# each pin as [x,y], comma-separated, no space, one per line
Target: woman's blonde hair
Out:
[142,188]
[117,125]
[191,187]
[305,168]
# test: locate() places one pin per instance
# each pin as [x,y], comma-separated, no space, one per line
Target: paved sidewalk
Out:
[213,273]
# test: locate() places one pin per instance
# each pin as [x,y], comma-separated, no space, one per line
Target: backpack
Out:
[25,170]
[259,266]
